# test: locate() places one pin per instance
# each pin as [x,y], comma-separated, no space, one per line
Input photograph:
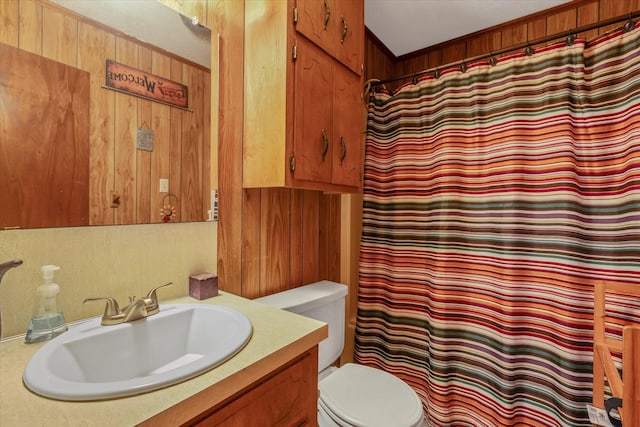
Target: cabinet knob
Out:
[325,144]
[343,150]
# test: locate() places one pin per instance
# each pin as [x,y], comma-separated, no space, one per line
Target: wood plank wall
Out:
[181,138]
[380,64]
[269,239]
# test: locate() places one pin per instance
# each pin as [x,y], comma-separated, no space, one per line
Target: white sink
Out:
[94,362]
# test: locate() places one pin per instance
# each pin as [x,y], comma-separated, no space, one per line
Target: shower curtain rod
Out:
[569,35]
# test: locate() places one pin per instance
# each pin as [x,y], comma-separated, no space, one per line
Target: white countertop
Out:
[278,337]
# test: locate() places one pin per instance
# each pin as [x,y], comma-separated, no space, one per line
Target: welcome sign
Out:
[146,85]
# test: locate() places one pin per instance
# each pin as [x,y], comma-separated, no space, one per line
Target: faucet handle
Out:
[152,294]
[110,309]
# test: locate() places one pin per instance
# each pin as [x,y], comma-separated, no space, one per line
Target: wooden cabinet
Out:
[303,114]
[336,26]
[286,397]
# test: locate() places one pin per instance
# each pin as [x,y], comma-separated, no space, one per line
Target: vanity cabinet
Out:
[303,114]
[286,397]
[272,381]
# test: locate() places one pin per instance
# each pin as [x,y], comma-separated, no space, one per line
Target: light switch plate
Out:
[164,185]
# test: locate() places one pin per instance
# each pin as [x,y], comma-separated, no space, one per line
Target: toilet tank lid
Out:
[304,298]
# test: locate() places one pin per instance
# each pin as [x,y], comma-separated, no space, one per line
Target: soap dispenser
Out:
[47,321]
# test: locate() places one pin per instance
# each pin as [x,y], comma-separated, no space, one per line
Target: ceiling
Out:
[405,26]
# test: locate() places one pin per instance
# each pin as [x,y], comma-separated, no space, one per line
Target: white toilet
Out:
[352,395]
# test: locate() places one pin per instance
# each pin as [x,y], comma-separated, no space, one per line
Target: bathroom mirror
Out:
[128,159]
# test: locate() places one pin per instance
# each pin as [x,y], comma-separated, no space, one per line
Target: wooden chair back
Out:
[629,347]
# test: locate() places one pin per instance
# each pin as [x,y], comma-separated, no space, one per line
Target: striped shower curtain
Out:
[494,197]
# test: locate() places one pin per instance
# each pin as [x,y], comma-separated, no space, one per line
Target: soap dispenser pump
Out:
[47,321]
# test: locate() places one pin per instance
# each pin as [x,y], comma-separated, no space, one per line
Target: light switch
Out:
[164,185]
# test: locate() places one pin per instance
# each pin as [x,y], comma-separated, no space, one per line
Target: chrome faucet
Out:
[138,308]
[4,267]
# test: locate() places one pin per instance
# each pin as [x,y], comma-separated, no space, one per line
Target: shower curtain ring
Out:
[571,38]
[629,25]
[529,50]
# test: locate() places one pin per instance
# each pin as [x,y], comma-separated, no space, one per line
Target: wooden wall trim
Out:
[556,20]
[523,20]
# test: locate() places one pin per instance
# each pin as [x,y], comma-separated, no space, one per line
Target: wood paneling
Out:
[483,43]
[454,52]
[612,8]
[377,60]
[251,247]
[59,36]
[176,117]
[30,29]
[161,125]
[94,45]
[560,19]
[228,19]
[309,210]
[513,35]
[588,14]
[296,240]
[192,149]
[285,243]
[275,226]
[126,122]
[143,157]
[9,12]
[208,122]
[181,138]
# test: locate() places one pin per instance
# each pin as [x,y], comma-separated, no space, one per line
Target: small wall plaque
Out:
[144,140]
[136,82]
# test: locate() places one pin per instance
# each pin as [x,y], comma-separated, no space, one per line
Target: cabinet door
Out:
[313,122]
[350,37]
[336,26]
[317,20]
[44,142]
[288,398]
[348,122]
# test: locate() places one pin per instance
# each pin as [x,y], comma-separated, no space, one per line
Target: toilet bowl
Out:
[352,395]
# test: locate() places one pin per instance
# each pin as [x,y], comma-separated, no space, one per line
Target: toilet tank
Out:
[324,301]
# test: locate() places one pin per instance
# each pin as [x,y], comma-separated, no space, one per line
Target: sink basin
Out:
[95,362]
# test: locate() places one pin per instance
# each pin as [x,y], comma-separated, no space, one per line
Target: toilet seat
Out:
[356,395]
